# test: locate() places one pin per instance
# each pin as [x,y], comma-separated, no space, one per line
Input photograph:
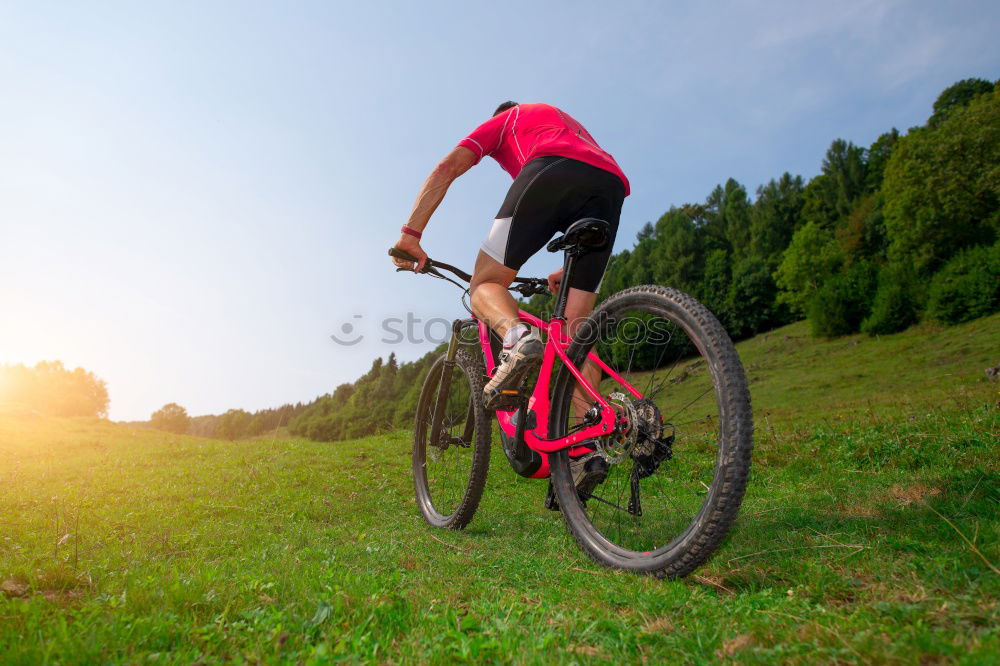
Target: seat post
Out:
[569,262]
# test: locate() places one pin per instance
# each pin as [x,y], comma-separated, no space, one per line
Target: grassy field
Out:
[869,534]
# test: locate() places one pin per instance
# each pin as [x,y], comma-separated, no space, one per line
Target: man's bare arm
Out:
[431,194]
[433,190]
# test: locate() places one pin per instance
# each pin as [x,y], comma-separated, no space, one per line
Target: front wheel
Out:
[680,455]
[450,461]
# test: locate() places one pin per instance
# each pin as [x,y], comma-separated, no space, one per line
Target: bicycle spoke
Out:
[652,375]
[604,501]
[700,419]
[631,357]
[699,397]
[673,365]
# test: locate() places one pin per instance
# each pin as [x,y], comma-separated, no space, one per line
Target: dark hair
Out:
[503,107]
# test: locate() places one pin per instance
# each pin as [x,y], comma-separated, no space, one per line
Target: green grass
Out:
[869,534]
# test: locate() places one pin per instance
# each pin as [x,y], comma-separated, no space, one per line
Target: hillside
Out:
[798,381]
[869,533]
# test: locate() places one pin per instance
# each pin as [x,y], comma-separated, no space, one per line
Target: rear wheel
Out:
[679,458]
[449,473]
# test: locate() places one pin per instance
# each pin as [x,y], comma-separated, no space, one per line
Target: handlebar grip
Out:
[402,254]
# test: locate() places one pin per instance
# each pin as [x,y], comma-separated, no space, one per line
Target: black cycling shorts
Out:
[548,195]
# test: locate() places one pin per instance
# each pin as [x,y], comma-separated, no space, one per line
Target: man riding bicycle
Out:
[561,175]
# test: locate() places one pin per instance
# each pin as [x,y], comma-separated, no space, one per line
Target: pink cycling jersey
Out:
[528,131]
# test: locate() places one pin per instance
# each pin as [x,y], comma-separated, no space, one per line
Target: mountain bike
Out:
[667,408]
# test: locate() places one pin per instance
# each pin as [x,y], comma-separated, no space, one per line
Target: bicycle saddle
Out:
[588,234]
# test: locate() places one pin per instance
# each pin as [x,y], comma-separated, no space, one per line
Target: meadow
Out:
[869,534]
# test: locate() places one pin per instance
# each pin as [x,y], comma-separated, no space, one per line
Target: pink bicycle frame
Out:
[538,438]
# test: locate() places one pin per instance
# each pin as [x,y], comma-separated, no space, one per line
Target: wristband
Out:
[411,232]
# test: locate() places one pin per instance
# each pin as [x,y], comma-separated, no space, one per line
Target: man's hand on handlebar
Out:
[411,245]
[530,287]
[407,254]
[554,280]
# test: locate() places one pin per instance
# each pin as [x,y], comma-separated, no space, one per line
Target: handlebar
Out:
[525,286]
[429,266]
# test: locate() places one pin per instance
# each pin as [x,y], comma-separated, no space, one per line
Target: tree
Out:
[679,257]
[818,202]
[750,304]
[385,387]
[257,425]
[878,157]
[615,279]
[842,303]
[715,285]
[862,233]
[897,301]
[726,218]
[810,258]
[234,424]
[171,417]
[640,264]
[203,426]
[774,218]
[956,96]
[52,389]
[845,168]
[942,186]
[967,287]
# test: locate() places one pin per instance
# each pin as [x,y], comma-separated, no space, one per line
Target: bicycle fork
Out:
[444,388]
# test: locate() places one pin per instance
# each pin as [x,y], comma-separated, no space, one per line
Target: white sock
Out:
[514,334]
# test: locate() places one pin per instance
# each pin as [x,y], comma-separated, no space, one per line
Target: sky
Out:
[195,196]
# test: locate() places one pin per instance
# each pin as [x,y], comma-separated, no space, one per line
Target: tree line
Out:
[52,389]
[233,424]
[383,398]
[885,236]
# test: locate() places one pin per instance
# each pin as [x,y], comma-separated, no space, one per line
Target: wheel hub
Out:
[638,433]
[615,448]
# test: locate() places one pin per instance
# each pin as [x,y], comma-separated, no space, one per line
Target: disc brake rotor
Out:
[616,448]
[637,433]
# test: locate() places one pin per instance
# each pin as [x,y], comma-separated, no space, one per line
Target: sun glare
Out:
[5,383]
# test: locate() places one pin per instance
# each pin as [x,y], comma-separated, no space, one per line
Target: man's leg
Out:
[522,347]
[491,302]
[494,304]
[579,305]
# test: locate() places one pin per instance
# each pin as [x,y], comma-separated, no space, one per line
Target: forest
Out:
[885,236]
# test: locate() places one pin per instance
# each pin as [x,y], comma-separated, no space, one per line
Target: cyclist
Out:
[560,176]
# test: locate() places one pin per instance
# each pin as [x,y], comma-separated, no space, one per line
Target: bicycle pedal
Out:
[505,400]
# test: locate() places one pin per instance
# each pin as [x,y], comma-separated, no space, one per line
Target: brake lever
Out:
[528,289]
